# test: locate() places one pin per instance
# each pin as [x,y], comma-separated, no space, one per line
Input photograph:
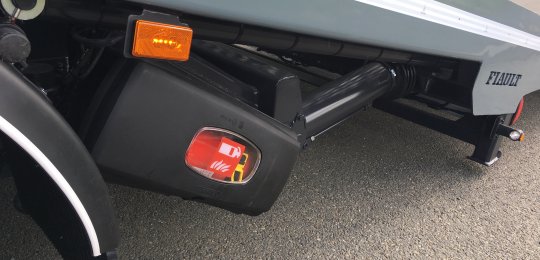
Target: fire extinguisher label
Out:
[222,156]
[226,158]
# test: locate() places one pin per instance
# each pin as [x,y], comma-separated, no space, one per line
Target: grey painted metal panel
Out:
[502,11]
[349,20]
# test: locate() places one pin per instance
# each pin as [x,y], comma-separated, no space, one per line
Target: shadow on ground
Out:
[376,186]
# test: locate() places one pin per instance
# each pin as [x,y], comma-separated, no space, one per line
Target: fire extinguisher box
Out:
[147,130]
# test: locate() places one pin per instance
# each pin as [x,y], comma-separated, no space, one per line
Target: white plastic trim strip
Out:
[57,177]
[443,14]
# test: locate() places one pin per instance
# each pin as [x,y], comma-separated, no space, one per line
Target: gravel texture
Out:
[375,187]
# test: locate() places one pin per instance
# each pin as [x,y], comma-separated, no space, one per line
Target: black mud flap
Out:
[141,129]
[64,175]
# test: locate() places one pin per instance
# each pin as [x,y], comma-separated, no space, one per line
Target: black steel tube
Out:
[231,32]
[338,99]
[280,40]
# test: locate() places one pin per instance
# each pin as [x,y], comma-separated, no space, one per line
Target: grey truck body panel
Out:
[394,26]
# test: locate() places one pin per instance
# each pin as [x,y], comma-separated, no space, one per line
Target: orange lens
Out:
[161,41]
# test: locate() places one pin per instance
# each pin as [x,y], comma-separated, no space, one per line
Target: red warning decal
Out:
[226,158]
[218,155]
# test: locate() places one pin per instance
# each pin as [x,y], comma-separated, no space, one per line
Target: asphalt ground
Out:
[375,187]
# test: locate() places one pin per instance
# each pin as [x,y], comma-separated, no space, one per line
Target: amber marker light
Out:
[161,41]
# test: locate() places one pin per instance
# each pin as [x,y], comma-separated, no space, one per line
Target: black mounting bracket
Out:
[481,131]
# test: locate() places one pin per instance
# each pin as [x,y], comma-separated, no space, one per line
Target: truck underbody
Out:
[225,125]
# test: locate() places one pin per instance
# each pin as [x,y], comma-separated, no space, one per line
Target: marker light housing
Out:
[161,41]
[223,156]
